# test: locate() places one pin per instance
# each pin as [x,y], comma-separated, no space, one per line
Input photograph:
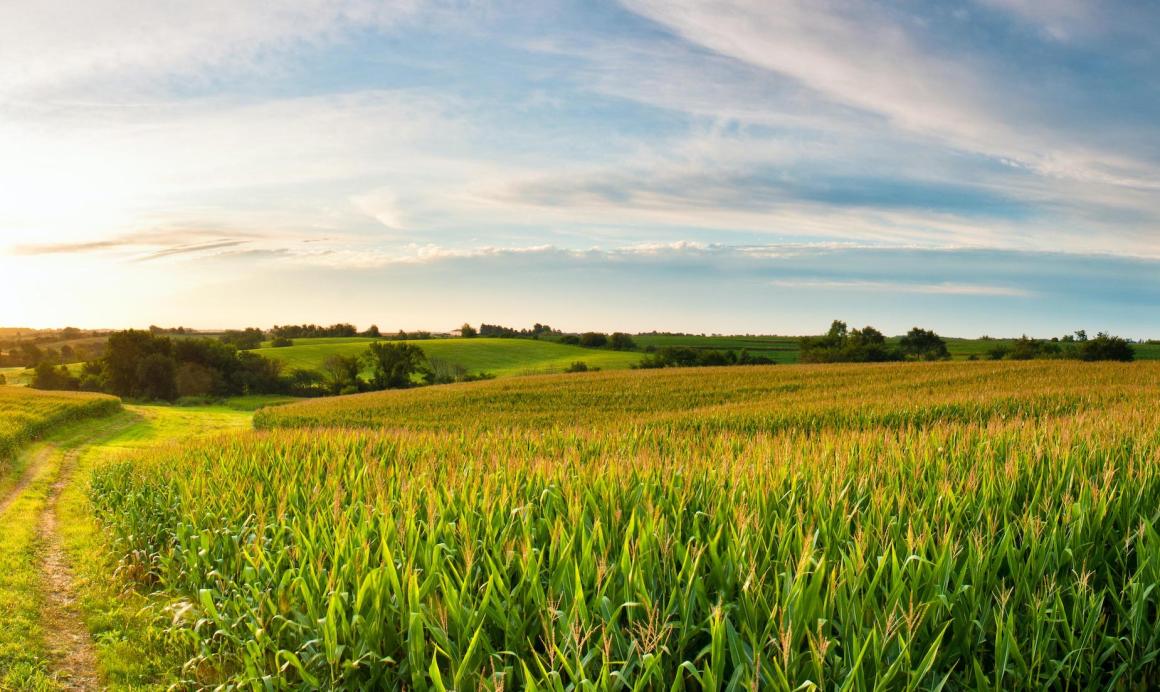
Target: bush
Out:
[593,340]
[924,344]
[578,366]
[1106,347]
[244,340]
[570,339]
[620,341]
[841,345]
[48,376]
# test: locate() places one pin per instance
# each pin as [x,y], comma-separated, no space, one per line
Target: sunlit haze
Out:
[741,166]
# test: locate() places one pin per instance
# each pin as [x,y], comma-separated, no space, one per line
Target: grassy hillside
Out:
[779,349]
[900,526]
[785,349]
[500,357]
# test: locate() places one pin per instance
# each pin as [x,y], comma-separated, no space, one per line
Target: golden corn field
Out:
[26,413]
[904,526]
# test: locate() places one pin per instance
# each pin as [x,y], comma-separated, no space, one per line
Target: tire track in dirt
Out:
[66,637]
[34,465]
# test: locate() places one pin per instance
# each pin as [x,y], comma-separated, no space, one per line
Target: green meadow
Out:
[499,357]
[510,357]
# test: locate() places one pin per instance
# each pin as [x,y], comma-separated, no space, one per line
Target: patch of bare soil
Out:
[66,637]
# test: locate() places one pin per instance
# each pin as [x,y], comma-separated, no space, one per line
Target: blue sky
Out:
[735,166]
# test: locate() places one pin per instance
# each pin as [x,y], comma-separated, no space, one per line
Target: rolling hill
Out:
[499,357]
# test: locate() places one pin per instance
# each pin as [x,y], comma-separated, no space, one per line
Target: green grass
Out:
[779,349]
[121,621]
[16,377]
[786,349]
[499,357]
[22,653]
[131,652]
[21,376]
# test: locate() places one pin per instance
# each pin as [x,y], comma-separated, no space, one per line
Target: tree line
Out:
[143,365]
[1075,346]
[868,345]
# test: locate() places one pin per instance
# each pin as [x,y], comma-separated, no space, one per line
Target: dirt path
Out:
[66,637]
[30,471]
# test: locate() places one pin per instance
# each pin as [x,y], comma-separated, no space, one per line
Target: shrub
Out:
[593,340]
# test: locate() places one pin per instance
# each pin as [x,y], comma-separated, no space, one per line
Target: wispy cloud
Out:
[155,244]
[46,46]
[944,288]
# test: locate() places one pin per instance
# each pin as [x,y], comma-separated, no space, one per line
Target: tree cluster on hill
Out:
[498,331]
[686,357]
[392,366]
[313,331]
[29,354]
[1075,346]
[413,336]
[143,365]
[617,341]
[244,339]
[868,345]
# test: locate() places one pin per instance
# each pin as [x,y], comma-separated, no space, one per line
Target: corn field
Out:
[26,413]
[907,526]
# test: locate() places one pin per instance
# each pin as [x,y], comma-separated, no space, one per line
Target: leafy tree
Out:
[125,352]
[257,375]
[924,344]
[303,382]
[570,340]
[619,341]
[373,332]
[157,377]
[195,380]
[341,374]
[48,376]
[842,345]
[394,364]
[1106,347]
[593,340]
[684,357]
[467,331]
[1025,348]
[30,354]
[244,340]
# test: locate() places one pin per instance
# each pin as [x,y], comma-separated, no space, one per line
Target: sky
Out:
[719,166]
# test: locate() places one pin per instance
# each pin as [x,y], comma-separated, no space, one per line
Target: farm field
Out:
[902,526]
[26,413]
[499,357]
[68,621]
